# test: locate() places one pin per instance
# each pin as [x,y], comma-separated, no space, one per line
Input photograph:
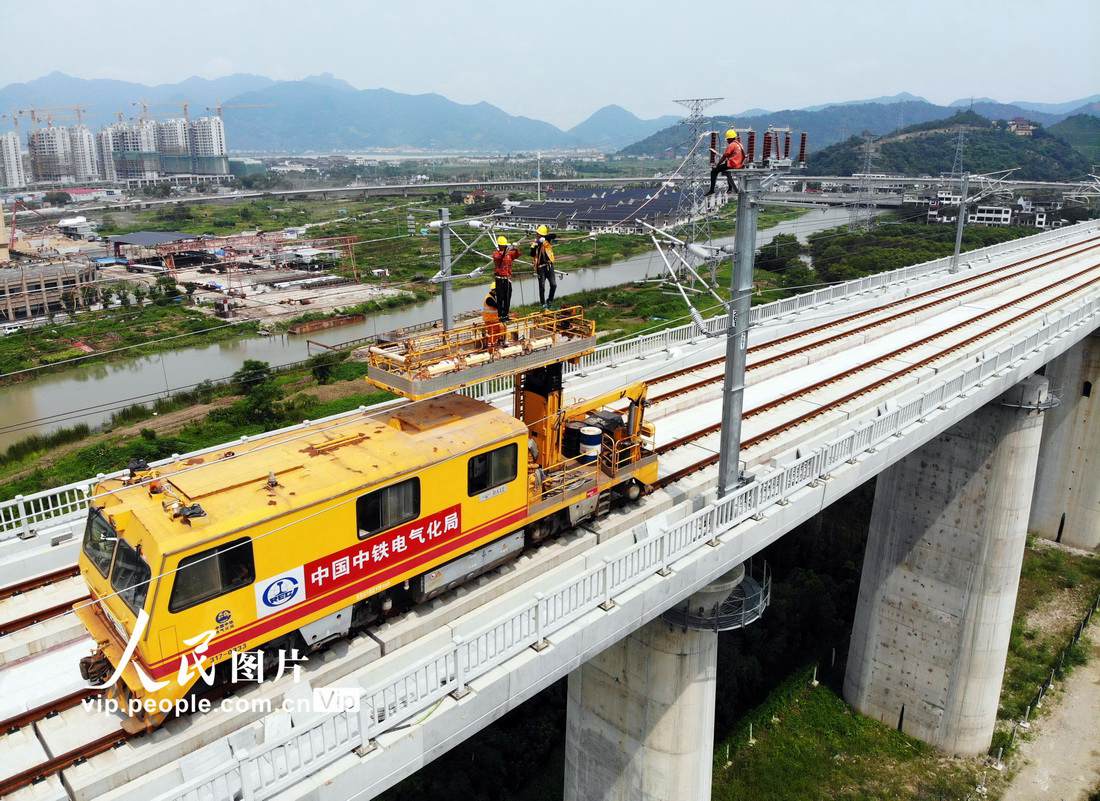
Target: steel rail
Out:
[877,384]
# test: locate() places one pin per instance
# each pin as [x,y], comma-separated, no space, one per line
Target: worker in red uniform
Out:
[732,158]
[503,257]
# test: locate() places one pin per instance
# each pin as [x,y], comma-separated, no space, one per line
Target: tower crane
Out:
[217,109]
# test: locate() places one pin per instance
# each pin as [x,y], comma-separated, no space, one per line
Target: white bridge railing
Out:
[397,698]
[26,516]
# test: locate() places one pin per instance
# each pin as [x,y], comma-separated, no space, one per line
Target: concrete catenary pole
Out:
[737,333]
[960,223]
[445,266]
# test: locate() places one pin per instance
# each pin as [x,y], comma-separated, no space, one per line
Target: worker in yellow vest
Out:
[490,316]
[542,256]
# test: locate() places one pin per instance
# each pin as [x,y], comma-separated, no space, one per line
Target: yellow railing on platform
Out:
[438,351]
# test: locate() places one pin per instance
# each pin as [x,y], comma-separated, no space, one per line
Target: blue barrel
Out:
[591,440]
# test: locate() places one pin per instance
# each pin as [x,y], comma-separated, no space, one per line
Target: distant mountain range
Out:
[323,113]
[834,123]
[104,99]
[929,149]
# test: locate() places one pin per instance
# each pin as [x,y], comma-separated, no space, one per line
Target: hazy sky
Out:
[560,60]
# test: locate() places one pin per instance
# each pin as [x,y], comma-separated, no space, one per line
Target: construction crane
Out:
[38,114]
[218,108]
[14,117]
[144,104]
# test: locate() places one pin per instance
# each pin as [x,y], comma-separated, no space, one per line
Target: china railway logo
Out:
[280,591]
[276,593]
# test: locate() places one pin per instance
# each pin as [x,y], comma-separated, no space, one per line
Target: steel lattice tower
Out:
[691,207]
[960,145]
[865,203]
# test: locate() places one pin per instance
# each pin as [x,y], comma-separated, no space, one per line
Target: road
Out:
[1063,758]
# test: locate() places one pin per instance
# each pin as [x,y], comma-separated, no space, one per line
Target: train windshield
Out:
[130,576]
[99,541]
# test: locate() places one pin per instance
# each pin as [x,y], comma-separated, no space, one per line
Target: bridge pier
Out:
[640,719]
[1066,504]
[940,575]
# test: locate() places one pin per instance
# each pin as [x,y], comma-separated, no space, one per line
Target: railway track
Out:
[116,738]
[869,326]
[836,403]
[21,587]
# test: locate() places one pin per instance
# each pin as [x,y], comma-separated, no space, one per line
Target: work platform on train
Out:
[438,361]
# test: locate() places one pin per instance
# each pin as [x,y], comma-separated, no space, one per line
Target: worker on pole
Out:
[503,257]
[732,158]
[542,255]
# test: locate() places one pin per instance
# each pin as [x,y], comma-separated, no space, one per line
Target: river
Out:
[90,393]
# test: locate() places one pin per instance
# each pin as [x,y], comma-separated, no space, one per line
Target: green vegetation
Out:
[126,326]
[1082,132]
[1055,590]
[810,746]
[929,149]
[254,400]
[841,256]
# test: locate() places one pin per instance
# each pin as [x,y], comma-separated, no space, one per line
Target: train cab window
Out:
[488,470]
[99,541]
[211,573]
[388,507]
[130,576]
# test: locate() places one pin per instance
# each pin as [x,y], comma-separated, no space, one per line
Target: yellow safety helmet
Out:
[731,134]
[502,241]
[543,230]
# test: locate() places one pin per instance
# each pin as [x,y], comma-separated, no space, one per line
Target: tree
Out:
[261,404]
[124,295]
[251,373]
[779,254]
[323,365]
[68,300]
[57,198]
[89,294]
[139,293]
[106,295]
[190,287]
[167,288]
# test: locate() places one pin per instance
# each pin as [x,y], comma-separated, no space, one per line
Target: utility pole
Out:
[445,266]
[737,334]
[960,222]
[538,176]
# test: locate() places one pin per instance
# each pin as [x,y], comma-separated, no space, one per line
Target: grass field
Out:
[811,745]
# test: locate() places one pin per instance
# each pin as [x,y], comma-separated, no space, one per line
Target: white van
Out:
[12,328]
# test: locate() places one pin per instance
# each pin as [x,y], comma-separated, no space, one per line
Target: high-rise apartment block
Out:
[12,174]
[135,150]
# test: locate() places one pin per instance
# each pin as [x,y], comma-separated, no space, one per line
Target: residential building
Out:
[105,142]
[12,174]
[85,160]
[51,155]
[208,151]
[133,147]
[174,146]
[990,215]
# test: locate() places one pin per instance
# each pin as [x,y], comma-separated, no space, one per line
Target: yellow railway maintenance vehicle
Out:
[294,539]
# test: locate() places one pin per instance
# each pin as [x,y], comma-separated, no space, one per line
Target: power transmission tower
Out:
[865,201]
[960,146]
[691,205]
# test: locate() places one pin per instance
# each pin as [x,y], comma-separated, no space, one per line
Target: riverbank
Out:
[89,391]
